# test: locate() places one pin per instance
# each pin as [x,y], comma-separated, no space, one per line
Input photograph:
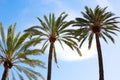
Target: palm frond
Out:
[2,49]
[45,27]
[31,74]
[109,36]
[20,76]
[103,37]
[78,50]
[55,54]
[44,47]
[30,43]
[13,76]
[69,44]
[2,34]
[1,61]
[82,40]
[10,36]
[26,53]
[32,62]
[21,40]
[90,39]
[16,38]
[59,40]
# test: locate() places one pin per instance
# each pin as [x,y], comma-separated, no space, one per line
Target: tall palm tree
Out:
[51,30]
[15,52]
[100,24]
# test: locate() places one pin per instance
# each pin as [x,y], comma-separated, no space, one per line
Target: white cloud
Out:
[69,55]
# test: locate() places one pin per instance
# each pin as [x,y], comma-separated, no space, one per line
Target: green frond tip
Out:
[90,39]
[109,36]
[55,54]
[78,51]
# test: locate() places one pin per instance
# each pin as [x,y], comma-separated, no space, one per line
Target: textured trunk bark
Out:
[100,60]
[5,73]
[50,62]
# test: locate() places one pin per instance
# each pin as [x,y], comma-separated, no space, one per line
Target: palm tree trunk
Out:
[50,62]
[5,73]
[100,60]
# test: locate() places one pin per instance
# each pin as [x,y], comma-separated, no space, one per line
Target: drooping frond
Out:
[31,74]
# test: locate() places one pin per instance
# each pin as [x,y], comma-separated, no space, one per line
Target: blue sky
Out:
[71,66]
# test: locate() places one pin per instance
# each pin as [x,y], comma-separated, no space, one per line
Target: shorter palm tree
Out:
[54,29]
[15,52]
[99,24]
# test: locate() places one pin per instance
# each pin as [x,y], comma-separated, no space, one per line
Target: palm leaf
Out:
[29,73]
[43,24]
[32,62]
[18,68]
[83,40]
[81,20]
[16,39]
[53,27]
[20,76]
[2,34]
[1,61]
[13,76]
[10,38]
[90,40]
[59,40]
[30,43]
[36,73]
[69,44]
[2,48]
[55,57]
[27,53]
[47,21]
[103,38]
[78,51]
[21,40]
[109,36]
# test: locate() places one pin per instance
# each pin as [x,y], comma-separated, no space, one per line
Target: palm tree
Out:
[15,52]
[100,24]
[51,30]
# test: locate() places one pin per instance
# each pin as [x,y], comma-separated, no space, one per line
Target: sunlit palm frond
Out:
[17,50]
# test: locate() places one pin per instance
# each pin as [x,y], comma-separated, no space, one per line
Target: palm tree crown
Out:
[15,55]
[51,30]
[96,21]
[54,29]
